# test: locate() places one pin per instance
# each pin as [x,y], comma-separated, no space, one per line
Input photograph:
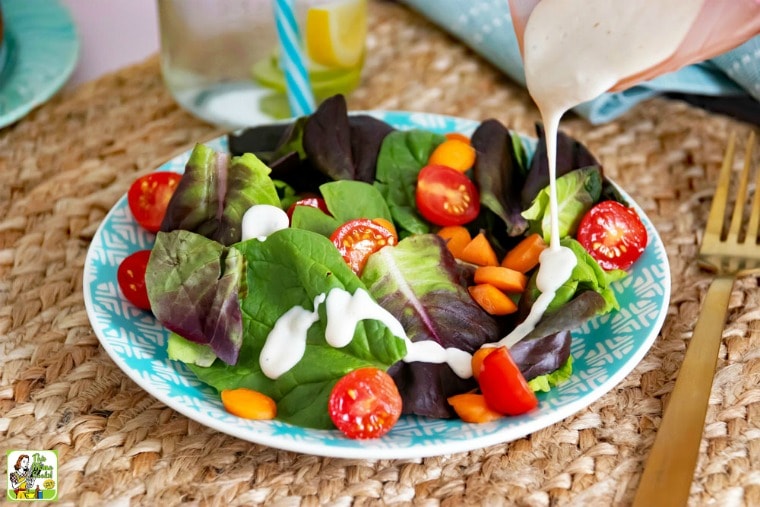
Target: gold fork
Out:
[669,471]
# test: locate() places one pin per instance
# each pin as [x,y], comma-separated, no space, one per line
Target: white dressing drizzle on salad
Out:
[575,50]
[286,343]
[261,220]
[344,311]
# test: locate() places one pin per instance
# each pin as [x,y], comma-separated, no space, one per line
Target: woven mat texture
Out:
[66,164]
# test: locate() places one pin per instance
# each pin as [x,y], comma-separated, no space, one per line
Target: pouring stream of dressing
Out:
[575,50]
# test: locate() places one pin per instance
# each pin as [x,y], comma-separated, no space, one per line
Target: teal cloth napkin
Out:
[486,27]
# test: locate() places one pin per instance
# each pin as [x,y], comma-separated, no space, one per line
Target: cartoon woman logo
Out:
[21,479]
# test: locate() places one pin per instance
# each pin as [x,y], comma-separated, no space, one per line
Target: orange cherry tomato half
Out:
[365,403]
[446,197]
[149,196]
[131,278]
[357,239]
[613,234]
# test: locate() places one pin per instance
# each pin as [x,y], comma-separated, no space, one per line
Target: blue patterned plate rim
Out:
[605,349]
[41,49]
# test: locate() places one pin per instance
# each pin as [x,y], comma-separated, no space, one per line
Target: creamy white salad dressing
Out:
[575,50]
[286,342]
[261,220]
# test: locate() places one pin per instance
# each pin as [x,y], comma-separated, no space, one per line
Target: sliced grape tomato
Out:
[131,278]
[613,234]
[357,239]
[149,195]
[445,196]
[365,403]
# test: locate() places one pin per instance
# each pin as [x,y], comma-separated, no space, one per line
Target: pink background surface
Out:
[112,34]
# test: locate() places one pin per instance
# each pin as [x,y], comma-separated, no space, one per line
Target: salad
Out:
[402,259]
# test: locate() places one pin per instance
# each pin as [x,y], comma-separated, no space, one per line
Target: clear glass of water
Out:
[220,59]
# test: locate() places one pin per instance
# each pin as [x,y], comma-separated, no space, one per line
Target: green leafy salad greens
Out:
[221,297]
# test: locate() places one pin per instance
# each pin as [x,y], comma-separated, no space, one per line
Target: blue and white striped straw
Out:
[300,95]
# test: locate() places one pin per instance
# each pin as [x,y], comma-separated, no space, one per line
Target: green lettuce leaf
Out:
[586,275]
[544,383]
[577,191]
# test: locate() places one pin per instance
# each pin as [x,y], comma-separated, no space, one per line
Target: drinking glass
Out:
[221,60]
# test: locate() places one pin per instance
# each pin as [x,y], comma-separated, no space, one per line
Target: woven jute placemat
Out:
[66,164]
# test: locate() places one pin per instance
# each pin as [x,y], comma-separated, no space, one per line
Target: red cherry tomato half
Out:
[149,196]
[365,403]
[313,201]
[503,386]
[131,278]
[445,196]
[357,239]
[613,234]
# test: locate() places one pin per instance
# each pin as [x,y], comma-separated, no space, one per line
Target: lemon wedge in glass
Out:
[335,33]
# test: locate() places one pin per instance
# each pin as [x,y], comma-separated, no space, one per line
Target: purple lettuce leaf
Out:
[214,193]
[418,282]
[539,356]
[343,147]
[193,285]
[498,175]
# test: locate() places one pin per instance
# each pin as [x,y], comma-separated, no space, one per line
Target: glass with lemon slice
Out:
[220,60]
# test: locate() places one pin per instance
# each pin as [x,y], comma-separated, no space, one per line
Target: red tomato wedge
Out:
[446,197]
[365,403]
[613,234]
[505,389]
[149,196]
[131,278]
[358,239]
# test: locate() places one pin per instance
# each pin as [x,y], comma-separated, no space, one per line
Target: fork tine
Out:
[718,207]
[741,195]
[754,214]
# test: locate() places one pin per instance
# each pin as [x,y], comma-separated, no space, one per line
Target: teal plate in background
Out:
[40,48]
[605,349]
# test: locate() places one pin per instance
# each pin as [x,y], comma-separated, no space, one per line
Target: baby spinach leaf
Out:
[291,268]
[313,219]
[402,155]
[348,199]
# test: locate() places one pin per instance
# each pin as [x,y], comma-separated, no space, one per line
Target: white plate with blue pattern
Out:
[604,350]
[38,53]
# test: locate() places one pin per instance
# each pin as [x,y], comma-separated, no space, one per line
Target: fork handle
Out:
[669,471]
